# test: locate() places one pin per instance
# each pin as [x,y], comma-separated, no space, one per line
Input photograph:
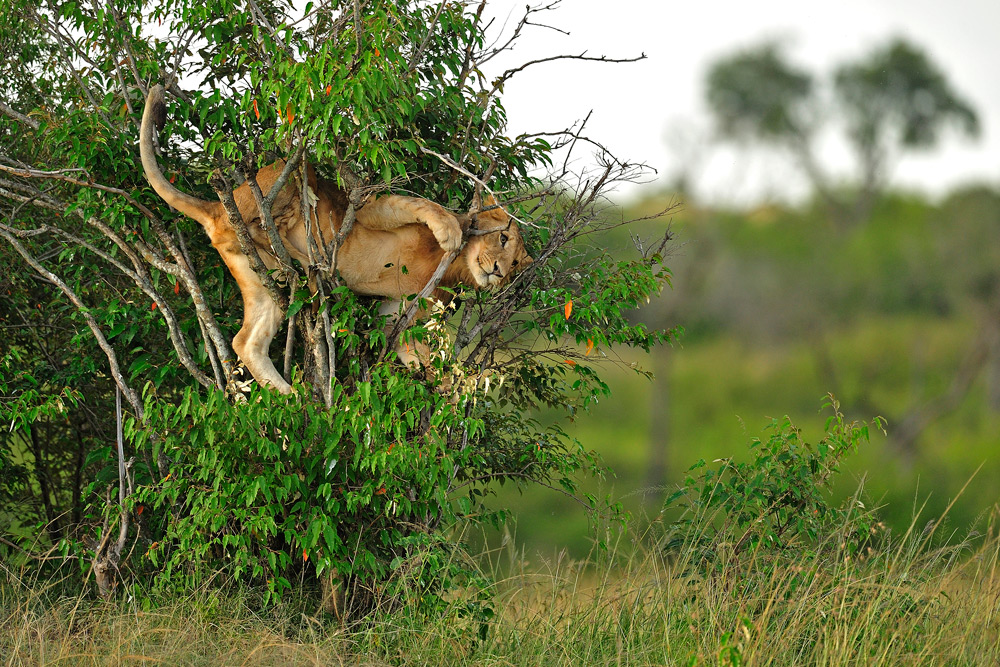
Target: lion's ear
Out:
[498,214]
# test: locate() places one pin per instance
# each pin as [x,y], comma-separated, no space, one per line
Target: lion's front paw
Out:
[448,233]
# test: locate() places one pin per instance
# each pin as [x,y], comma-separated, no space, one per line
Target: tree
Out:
[893,100]
[360,470]
[756,94]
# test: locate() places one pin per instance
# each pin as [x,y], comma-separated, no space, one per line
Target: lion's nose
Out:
[496,269]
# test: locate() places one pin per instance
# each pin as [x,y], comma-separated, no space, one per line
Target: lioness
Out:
[390,233]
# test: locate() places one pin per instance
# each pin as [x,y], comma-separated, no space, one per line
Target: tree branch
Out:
[16,115]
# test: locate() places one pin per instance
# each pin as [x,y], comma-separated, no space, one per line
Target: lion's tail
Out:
[153,117]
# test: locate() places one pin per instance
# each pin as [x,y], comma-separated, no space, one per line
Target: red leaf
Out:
[154,306]
[289,114]
[255,109]
[569,308]
[305,555]
[380,492]
[570,362]
[177,287]
[590,346]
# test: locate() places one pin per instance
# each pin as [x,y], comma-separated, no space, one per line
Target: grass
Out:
[905,603]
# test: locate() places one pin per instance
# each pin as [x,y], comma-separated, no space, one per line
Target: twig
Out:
[419,52]
[223,189]
[121,446]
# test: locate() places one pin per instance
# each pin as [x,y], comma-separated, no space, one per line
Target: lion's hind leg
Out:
[261,319]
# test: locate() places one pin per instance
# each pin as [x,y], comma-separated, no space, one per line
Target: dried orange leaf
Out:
[569,308]
[255,109]
[590,346]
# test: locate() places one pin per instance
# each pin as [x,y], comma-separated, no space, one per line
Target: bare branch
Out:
[181,270]
[503,78]
[278,248]
[224,190]
[115,368]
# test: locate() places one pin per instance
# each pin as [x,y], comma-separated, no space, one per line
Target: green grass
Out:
[909,603]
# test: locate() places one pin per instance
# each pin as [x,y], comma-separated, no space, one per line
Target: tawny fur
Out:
[389,233]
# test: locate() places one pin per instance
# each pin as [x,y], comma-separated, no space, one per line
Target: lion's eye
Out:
[503,239]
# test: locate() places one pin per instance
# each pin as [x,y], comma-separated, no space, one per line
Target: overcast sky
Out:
[653,111]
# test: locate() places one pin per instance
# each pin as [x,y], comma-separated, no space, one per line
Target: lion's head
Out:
[492,258]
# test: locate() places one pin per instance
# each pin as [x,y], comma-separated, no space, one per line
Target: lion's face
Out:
[493,258]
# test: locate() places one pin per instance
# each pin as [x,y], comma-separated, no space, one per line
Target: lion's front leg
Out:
[394,211]
[414,354]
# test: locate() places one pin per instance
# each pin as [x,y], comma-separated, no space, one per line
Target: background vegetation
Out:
[897,318]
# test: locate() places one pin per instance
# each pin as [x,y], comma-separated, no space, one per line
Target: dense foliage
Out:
[109,293]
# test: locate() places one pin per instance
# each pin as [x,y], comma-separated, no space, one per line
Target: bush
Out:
[775,506]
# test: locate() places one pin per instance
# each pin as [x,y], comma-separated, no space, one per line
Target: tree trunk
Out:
[993,380]
[658,439]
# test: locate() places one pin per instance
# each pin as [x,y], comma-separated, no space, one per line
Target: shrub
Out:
[776,504]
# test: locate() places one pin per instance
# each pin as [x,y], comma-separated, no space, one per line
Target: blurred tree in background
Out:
[893,100]
[896,99]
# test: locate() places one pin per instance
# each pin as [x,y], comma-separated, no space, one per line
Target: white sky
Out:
[638,106]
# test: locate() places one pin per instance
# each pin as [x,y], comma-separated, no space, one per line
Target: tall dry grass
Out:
[908,603]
